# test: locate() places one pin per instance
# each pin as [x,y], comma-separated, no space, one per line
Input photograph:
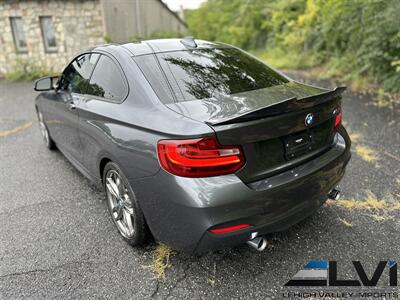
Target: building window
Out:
[49,38]
[18,34]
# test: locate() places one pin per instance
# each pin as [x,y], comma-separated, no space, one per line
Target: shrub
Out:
[166,35]
[355,39]
[27,70]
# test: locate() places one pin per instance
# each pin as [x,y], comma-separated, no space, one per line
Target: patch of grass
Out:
[382,101]
[279,58]
[107,39]
[366,153]
[354,136]
[378,209]
[378,218]
[346,223]
[386,100]
[212,280]
[361,84]
[161,260]
[370,203]
[25,70]
[352,204]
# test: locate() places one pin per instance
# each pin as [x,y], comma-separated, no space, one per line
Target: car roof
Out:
[161,45]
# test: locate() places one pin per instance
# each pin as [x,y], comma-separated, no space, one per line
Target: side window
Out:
[77,74]
[150,69]
[18,34]
[49,38]
[107,81]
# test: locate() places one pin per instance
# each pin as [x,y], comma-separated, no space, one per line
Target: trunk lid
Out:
[270,124]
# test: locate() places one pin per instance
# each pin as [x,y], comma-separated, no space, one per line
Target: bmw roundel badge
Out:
[309,120]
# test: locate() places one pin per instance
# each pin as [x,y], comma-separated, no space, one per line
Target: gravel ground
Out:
[57,240]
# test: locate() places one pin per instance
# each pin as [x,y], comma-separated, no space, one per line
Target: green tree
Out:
[351,37]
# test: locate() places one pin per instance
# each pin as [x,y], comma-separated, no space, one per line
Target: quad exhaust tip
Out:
[334,194]
[258,243]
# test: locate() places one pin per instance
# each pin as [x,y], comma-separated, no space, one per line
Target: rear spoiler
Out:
[284,106]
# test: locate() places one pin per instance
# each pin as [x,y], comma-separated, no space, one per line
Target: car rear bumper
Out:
[180,211]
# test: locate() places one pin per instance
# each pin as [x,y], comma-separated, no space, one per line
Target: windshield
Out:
[206,73]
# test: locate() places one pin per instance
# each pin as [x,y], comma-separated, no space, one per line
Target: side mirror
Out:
[46,83]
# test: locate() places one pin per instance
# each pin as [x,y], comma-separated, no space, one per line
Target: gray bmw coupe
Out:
[198,144]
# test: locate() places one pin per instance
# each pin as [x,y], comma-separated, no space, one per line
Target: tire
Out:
[123,206]
[45,132]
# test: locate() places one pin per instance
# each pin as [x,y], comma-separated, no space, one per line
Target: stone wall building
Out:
[48,33]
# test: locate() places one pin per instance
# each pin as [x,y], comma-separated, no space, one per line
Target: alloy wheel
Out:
[120,204]
[43,129]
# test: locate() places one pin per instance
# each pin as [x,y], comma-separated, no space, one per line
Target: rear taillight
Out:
[202,157]
[338,121]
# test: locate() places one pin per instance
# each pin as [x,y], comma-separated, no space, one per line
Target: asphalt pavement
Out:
[57,240]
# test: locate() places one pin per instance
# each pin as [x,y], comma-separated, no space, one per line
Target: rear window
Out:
[206,73]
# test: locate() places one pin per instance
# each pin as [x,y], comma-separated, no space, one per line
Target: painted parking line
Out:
[15,130]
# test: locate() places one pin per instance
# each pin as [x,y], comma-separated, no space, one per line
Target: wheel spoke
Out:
[128,208]
[119,211]
[46,136]
[42,129]
[128,221]
[117,181]
[127,199]
[112,188]
[119,185]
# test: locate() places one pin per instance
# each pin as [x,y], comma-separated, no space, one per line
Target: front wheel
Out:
[123,206]
[45,132]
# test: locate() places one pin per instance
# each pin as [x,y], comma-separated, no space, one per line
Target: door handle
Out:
[71,106]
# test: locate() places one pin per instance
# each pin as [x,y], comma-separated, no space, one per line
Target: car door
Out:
[98,118]
[65,110]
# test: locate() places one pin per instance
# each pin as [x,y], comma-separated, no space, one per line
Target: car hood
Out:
[227,107]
